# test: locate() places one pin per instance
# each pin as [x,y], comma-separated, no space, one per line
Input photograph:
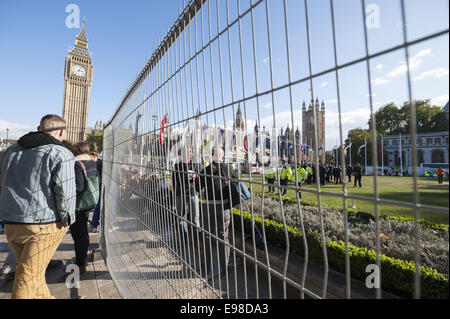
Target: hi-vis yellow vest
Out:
[301,174]
[270,173]
[286,172]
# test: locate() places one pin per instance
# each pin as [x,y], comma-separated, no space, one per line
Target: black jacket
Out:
[182,184]
[213,185]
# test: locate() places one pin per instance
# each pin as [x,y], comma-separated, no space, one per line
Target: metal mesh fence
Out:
[218,107]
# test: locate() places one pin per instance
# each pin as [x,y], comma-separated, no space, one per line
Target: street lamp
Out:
[7,135]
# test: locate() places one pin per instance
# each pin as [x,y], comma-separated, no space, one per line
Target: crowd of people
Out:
[47,186]
[305,173]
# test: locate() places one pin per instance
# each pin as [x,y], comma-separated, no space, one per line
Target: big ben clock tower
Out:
[78,81]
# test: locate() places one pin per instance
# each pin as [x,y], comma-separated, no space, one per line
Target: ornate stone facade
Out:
[78,73]
[432,148]
[308,127]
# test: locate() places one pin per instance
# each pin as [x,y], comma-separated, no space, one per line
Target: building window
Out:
[429,141]
[394,142]
[437,140]
[437,156]
[420,157]
[419,141]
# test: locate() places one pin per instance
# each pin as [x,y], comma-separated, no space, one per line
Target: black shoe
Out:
[55,264]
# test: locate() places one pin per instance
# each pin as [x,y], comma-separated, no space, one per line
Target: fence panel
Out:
[230,93]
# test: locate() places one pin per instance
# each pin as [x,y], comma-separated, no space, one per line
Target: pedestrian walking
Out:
[349,172]
[440,175]
[337,174]
[186,201]
[216,213]
[37,202]
[87,195]
[322,174]
[329,173]
[96,217]
[358,174]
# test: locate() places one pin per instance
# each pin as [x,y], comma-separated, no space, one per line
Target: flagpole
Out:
[365,155]
[382,155]
[401,156]
[350,152]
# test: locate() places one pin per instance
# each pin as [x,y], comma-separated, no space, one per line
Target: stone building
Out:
[432,148]
[308,127]
[78,73]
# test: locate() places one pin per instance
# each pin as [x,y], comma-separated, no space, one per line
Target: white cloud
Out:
[440,100]
[350,120]
[16,130]
[282,119]
[323,84]
[331,101]
[414,63]
[267,105]
[379,67]
[436,73]
[266,60]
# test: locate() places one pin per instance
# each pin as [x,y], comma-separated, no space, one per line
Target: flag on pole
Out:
[306,149]
[380,150]
[219,136]
[162,131]
[360,148]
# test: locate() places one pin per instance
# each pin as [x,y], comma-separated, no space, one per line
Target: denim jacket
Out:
[37,181]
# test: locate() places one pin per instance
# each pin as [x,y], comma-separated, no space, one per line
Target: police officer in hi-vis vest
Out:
[285,176]
[270,175]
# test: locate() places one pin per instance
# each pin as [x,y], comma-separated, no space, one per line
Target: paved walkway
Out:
[96,283]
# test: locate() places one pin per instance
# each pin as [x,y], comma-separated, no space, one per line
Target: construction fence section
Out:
[203,192]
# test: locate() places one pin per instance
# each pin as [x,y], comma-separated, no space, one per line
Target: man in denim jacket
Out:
[37,202]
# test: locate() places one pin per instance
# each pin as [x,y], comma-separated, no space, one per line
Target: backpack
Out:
[88,199]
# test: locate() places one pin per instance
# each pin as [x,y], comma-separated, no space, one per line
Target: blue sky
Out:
[34,42]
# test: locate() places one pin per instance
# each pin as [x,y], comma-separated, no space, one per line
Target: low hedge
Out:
[357,213]
[397,276]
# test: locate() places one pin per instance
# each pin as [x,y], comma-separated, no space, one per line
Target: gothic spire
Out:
[82,35]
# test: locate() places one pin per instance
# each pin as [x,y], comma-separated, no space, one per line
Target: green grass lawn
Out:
[391,188]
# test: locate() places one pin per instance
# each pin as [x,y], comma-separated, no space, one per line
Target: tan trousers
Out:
[33,247]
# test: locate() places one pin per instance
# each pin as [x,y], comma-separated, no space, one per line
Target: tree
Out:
[391,120]
[95,141]
[357,137]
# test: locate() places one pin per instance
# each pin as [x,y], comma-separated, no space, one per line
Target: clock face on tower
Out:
[78,70]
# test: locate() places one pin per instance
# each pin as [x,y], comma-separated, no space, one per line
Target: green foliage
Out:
[397,275]
[95,141]
[391,119]
[357,214]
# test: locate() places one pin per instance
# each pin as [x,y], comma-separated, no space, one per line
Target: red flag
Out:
[161,132]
